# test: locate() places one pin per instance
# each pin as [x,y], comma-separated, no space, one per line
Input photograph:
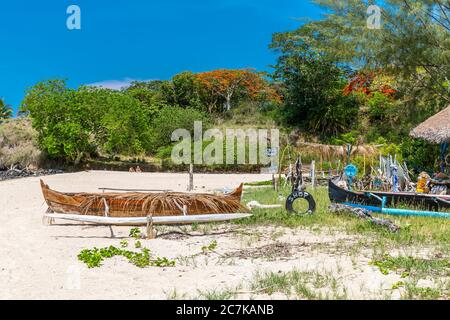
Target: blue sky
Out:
[137,39]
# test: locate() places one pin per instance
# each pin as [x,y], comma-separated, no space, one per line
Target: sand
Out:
[40,262]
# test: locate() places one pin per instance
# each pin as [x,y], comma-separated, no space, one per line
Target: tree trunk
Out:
[227,103]
[78,159]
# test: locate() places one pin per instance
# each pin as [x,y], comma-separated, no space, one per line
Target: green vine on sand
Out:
[94,257]
[211,247]
[135,233]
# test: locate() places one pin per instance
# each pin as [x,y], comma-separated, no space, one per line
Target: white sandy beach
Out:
[40,262]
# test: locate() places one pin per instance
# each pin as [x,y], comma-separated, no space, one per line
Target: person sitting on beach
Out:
[131,169]
[138,169]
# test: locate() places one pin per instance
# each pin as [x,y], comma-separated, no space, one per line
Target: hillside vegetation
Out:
[335,81]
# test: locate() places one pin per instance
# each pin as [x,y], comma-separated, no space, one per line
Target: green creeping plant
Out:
[135,233]
[211,247]
[94,257]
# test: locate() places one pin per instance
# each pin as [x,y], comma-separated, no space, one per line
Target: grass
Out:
[294,284]
[216,294]
[413,229]
[414,267]
[18,143]
[414,292]
[299,284]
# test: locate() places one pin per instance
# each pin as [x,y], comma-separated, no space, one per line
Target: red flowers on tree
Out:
[226,84]
[370,82]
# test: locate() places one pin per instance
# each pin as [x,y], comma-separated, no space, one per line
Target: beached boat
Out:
[426,201]
[135,207]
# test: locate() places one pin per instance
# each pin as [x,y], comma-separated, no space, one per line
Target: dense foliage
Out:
[392,77]
[73,125]
[336,80]
[313,89]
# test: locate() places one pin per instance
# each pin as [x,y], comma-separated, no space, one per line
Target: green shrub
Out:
[171,118]
[419,155]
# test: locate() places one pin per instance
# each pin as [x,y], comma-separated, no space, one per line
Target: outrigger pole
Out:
[397,212]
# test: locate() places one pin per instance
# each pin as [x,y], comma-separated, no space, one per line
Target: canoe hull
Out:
[135,205]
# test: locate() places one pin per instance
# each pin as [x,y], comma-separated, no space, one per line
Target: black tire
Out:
[300,195]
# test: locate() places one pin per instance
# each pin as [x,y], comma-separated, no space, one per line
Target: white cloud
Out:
[114,84]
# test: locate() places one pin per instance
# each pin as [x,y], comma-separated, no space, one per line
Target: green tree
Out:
[5,110]
[182,91]
[126,122]
[149,94]
[63,124]
[313,96]
[172,118]
[75,124]
[412,44]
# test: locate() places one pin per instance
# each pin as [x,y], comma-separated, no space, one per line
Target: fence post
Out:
[150,233]
[191,177]
[313,174]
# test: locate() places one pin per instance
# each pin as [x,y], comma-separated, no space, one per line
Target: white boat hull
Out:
[202,218]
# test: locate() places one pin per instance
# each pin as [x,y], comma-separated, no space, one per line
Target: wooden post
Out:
[191,177]
[364,165]
[275,182]
[150,234]
[313,174]
[321,167]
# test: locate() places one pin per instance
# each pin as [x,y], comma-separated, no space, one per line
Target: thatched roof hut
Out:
[435,129]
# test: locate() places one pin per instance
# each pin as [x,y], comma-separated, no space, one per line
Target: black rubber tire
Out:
[300,195]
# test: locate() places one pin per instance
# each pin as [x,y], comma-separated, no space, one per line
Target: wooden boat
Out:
[426,201]
[134,207]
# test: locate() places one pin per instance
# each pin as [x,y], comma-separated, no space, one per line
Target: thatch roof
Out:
[435,129]
[329,152]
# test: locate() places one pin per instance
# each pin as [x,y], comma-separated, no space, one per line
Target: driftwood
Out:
[364,214]
[255,204]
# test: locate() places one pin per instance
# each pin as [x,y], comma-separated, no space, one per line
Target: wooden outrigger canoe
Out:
[377,201]
[130,208]
[428,201]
